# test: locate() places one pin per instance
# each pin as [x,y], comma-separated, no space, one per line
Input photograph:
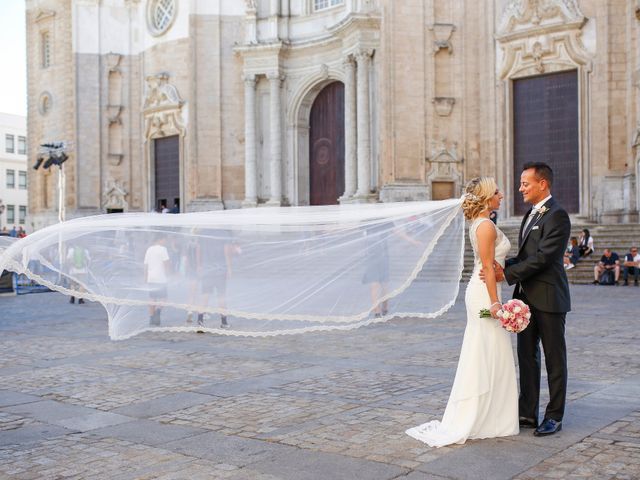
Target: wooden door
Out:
[167,172]
[326,145]
[546,129]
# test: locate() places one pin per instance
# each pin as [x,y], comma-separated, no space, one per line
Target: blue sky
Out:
[13,58]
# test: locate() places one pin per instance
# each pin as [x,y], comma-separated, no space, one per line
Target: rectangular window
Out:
[22,214]
[324,4]
[22,180]
[11,179]
[9,143]
[22,145]
[11,214]
[45,49]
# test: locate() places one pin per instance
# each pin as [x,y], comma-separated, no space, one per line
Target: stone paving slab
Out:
[31,433]
[92,421]
[185,406]
[158,406]
[317,466]
[9,398]
[147,432]
[49,411]
[494,459]
[228,449]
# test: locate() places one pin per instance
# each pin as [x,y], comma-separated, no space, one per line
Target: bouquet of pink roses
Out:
[514,315]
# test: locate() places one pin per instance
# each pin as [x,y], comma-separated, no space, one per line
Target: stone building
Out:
[213,104]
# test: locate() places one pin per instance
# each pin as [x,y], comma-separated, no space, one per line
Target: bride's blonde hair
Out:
[477,195]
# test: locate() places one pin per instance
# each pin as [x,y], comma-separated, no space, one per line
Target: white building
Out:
[13,171]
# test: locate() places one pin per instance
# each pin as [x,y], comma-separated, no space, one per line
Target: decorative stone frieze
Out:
[522,16]
[442,36]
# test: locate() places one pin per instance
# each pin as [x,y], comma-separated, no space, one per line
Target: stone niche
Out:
[443,175]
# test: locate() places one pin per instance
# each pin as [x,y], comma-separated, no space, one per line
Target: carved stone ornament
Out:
[542,36]
[520,15]
[444,165]
[442,36]
[537,53]
[250,5]
[43,15]
[115,196]
[113,114]
[160,94]
[324,71]
[162,108]
[444,105]
[444,151]
[113,61]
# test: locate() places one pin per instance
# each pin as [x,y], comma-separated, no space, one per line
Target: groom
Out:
[539,276]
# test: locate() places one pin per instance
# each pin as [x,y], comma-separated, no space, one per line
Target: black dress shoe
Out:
[548,427]
[526,422]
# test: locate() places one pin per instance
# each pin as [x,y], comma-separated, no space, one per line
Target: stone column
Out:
[363,58]
[275,120]
[250,167]
[274,17]
[350,131]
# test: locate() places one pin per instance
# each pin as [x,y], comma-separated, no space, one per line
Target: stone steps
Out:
[619,238]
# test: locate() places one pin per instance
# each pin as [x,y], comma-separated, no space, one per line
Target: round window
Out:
[160,15]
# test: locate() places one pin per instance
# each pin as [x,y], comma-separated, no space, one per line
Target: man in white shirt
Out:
[631,265]
[156,269]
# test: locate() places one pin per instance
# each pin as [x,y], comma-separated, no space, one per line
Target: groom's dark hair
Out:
[542,171]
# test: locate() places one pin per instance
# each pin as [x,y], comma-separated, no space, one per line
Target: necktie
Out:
[534,212]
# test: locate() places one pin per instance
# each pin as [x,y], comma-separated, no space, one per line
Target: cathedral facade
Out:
[208,104]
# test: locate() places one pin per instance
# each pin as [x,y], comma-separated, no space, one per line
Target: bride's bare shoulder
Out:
[485,228]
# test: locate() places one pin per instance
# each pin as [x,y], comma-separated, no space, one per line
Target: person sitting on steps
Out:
[609,261]
[631,266]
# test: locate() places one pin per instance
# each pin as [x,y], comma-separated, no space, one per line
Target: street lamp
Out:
[55,153]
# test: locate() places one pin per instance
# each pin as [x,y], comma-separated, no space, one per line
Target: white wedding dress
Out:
[484,397]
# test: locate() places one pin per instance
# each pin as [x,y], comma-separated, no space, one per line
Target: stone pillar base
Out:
[405,192]
[204,205]
[370,198]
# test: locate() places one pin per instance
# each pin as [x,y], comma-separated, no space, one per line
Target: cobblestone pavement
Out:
[333,406]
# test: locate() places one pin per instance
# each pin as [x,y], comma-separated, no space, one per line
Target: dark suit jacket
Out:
[538,270]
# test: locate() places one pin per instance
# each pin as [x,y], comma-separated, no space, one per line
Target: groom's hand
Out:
[499,272]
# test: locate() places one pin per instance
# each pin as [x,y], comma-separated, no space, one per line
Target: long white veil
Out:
[264,271]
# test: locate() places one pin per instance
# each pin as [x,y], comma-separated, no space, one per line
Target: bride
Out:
[484,397]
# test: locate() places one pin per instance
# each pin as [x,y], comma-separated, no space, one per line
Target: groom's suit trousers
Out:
[548,328]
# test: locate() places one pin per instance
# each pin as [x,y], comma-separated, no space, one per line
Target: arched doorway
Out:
[326,146]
